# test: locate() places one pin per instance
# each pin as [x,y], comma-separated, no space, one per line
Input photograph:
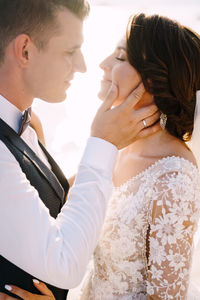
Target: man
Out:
[40,50]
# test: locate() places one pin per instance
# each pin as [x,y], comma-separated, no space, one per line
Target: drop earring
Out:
[163,120]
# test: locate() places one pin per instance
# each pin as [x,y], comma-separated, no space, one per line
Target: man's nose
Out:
[81,65]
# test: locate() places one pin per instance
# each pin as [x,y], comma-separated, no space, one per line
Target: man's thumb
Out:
[110,97]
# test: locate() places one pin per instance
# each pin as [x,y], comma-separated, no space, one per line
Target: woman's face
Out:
[117,70]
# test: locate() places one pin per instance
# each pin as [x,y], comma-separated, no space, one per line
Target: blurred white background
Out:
[67,125]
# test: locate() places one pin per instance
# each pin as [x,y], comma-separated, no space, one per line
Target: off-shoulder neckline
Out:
[150,167]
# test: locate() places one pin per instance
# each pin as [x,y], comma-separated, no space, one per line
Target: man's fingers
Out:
[110,98]
[43,288]
[147,112]
[134,97]
[149,131]
[150,120]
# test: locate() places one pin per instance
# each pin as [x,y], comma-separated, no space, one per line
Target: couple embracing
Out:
[143,247]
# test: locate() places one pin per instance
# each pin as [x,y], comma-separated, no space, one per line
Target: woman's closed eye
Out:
[120,58]
[121,55]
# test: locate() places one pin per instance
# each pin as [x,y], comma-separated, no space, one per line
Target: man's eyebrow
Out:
[76,47]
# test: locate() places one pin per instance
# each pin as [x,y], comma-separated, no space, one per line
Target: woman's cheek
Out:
[119,78]
[128,84]
[125,87]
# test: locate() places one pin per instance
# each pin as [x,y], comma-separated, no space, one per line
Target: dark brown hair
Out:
[167,56]
[35,18]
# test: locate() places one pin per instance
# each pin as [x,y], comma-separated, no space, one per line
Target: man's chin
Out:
[56,99]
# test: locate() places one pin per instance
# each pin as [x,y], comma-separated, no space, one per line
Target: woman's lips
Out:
[106,80]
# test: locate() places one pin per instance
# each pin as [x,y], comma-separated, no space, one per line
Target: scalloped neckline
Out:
[142,173]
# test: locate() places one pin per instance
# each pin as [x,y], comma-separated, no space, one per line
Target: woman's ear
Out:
[146,99]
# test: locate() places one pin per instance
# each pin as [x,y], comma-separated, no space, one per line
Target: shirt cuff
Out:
[99,154]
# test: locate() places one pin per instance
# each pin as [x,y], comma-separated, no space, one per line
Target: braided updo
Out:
[167,56]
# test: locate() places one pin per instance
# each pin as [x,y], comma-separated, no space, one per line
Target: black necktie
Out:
[26,118]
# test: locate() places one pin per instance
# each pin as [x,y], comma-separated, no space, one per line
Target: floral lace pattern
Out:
[146,242]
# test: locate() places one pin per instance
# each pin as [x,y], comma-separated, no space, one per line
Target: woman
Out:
[145,249]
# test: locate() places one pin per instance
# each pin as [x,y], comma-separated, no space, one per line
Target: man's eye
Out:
[70,53]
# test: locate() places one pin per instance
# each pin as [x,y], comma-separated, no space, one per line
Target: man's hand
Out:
[23,294]
[122,125]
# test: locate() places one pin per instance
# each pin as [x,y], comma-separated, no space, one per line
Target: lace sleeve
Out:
[175,211]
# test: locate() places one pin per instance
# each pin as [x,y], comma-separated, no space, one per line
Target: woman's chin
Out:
[102,94]
[104,89]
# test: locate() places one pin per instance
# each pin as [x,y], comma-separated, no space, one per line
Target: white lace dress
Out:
[154,215]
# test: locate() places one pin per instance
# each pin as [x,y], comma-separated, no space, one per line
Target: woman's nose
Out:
[106,64]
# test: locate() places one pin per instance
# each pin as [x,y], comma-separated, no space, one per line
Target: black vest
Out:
[52,187]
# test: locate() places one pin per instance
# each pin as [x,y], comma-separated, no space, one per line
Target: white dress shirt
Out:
[53,250]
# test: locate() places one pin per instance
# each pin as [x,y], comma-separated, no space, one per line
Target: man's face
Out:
[51,70]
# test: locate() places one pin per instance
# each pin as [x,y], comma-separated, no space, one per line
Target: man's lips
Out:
[68,82]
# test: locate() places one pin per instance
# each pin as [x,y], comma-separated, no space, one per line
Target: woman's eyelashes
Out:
[121,56]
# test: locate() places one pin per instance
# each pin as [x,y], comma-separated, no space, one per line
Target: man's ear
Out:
[22,49]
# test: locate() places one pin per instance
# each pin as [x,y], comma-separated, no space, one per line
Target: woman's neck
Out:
[160,144]
[145,152]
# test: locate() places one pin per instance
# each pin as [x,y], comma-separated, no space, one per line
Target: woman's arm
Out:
[174,217]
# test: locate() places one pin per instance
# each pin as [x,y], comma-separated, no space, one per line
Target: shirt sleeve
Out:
[175,213]
[55,250]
